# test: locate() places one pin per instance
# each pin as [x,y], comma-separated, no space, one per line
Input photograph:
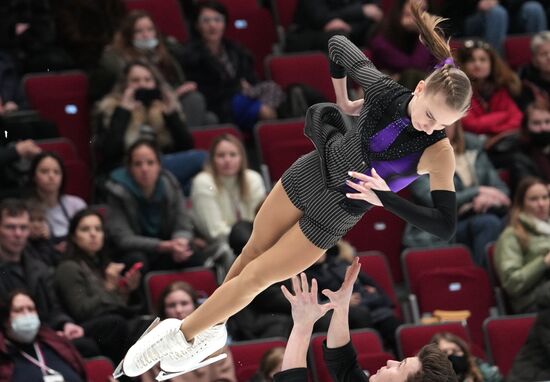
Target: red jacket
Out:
[499,114]
[45,335]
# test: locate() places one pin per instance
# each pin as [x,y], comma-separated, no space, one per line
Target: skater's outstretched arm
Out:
[339,353]
[440,220]
[306,310]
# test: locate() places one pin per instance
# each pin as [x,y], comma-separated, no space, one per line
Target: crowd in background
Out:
[72,270]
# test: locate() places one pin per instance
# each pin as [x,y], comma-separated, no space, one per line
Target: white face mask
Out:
[147,44]
[24,328]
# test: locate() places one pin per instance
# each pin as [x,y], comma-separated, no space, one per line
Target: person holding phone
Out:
[142,105]
[94,289]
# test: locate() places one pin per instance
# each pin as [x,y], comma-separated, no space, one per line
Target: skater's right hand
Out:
[342,297]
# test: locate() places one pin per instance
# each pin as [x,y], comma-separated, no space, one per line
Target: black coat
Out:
[218,86]
[37,278]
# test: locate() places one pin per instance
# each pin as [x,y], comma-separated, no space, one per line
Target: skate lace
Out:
[162,346]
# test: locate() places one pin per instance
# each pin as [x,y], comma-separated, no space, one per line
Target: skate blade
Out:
[164,375]
[119,370]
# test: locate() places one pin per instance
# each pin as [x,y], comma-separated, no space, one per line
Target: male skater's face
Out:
[396,371]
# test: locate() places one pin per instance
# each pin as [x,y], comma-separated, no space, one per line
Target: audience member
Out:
[536,75]
[431,364]
[147,219]
[178,300]
[531,363]
[19,270]
[224,72]
[493,111]
[485,19]
[12,173]
[316,21]
[93,288]
[139,40]
[11,91]
[522,253]
[467,367]
[40,244]
[227,192]
[85,27]
[482,198]
[143,106]
[533,156]
[369,304]
[270,364]
[29,35]
[395,47]
[47,183]
[527,16]
[30,350]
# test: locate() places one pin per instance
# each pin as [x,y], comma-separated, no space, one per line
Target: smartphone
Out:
[147,96]
[134,268]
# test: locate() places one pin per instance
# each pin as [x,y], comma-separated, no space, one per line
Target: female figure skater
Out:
[398,136]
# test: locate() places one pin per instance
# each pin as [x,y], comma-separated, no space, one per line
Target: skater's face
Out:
[48,175]
[396,371]
[211,25]
[178,304]
[478,67]
[89,234]
[227,159]
[145,167]
[541,58]
[537,202]
[429,111]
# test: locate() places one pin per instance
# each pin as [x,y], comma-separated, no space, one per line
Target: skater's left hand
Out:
[366,185]
[306,309]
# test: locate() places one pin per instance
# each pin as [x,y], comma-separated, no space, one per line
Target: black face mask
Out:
[460,363]
[540,139]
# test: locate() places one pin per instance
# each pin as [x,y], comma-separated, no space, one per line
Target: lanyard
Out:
[38,362]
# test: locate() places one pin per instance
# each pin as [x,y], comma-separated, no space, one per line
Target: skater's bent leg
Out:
[276,216]
[292,254]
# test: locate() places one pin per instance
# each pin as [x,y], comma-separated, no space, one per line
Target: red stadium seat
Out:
[203,280]
[380,230]
[285,9]
[417,260]
[62,98]
[518,50]
[459,288]
[368,345]
[167,14]
[280,143]
[375,264]
[412,337]
[504,337]
[79,180]
[310,68]
[203,138]
[247,355]
[254,29]
[98,369]
[61,146]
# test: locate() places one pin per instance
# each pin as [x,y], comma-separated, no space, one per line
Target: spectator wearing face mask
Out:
[467,367]
[533,157]
[139,39]
[31,351]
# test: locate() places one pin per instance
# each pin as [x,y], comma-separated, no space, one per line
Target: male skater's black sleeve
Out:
[439,220]
[342,364]
[298,374]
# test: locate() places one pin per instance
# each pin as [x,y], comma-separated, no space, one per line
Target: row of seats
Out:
[504,336]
